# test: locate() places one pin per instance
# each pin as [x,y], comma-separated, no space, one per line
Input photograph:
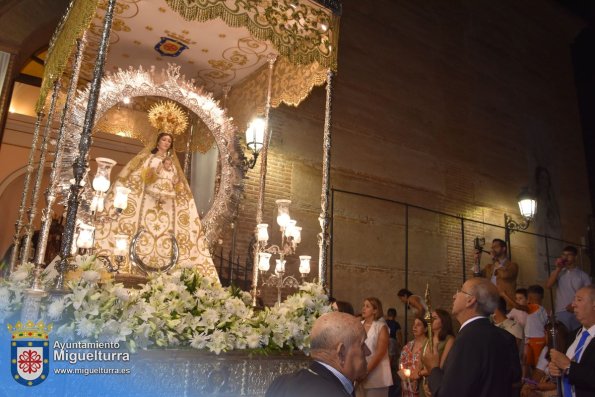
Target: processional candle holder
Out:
[291,236]
[118,259]
[428,319]
[84,236]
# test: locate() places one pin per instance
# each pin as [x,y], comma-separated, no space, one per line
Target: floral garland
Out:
[179,309]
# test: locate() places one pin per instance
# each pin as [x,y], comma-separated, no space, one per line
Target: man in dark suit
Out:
[484,360]
[339,352]
[578,364]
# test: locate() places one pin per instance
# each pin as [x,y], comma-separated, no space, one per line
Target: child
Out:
[169,171]
[534,327]
[540,384]
[516,314]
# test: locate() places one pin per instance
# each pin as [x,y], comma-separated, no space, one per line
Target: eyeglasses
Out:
[466,293]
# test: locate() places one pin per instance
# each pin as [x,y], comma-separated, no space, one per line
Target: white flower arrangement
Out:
[12,290]
[183,308]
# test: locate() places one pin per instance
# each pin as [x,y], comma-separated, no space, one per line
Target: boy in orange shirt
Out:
[534,327]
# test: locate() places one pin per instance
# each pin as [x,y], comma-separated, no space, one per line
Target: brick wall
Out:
[448,107]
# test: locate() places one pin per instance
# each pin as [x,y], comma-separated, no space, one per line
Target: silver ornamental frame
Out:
[169,83]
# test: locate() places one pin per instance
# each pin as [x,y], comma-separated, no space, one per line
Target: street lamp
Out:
[527,208]
[527,204]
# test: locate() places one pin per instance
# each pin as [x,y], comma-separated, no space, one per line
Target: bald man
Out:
[339,353]
[484,360]
[578,364]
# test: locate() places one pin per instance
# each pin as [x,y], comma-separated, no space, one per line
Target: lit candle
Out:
[101,183]
[283,212]
[407,373]
[121,198]
[85,237]
[121,248]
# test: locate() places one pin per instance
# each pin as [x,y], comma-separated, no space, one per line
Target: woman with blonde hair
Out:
[379,376]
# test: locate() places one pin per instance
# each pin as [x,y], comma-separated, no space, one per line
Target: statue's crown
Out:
[167,116]
[30,330]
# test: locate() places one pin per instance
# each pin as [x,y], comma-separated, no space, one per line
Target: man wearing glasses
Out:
[484,360]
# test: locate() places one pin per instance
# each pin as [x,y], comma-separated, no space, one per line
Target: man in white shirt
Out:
[578,364]
[568,279]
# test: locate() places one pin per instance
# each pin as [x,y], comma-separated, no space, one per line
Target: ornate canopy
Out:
[216,43]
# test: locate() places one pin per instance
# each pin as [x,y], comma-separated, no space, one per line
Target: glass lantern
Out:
[101,182]
[85,237]
[297,234]
[280,266]
[255,134]
[283,212]
[290,228]
[264,263]
[527,204]
[262,233]
[305,264]
[121,198]
[121,247]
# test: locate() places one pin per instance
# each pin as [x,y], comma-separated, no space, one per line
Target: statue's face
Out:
[164,143]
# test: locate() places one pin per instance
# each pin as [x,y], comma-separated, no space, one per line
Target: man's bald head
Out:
[337,339]
[333,328]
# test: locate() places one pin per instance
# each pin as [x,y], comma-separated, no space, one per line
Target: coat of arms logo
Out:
[169,47]
[29,352]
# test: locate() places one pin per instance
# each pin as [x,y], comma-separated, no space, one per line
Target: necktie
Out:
[577,353]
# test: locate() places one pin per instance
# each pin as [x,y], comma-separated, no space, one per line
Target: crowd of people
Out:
[507,343]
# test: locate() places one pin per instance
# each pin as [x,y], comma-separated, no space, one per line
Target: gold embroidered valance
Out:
[72,27]
[304,31]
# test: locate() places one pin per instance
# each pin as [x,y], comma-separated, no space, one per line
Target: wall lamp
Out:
[527,208]
[255,139]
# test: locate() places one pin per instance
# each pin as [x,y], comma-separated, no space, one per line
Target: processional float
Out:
[252,56]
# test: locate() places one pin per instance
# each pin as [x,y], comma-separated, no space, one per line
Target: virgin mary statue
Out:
[160,203]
